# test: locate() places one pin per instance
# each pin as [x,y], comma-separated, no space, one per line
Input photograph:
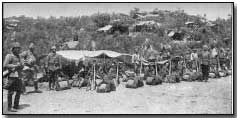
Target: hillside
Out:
[127,33]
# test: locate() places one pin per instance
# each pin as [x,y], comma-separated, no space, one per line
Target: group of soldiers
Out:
[209,59]
[22,67]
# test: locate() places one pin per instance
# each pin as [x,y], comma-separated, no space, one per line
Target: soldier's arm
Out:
[60,61]
[6,63]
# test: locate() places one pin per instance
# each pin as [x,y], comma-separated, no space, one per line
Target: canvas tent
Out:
[148,15]
[105,28]
[146,26]
[81,54]
[210,24]
[189,22]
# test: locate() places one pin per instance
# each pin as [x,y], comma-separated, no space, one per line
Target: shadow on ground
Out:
[21,106]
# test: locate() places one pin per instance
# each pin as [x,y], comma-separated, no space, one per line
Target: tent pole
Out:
[219,66]
[185,66]
[196,65]
[170,68]
[94,78]
[156,68]
[141,68]
[117,75]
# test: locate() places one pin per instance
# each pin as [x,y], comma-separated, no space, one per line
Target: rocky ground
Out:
[212,97]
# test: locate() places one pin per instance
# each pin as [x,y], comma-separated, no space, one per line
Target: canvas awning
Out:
[105,28]
[189,23]
[153,63]
[210,24]
[104,53]
[73,54]
[82,54]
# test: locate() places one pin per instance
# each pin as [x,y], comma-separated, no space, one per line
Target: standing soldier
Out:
[53,65]
[214,58]
[222,58]
[205,62]
[29,72]
[229,58]
[13,64]
[187,58]
[194,59]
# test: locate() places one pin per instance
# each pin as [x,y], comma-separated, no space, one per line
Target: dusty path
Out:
[180,98]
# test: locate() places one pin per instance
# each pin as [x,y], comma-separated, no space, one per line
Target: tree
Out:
[101,19]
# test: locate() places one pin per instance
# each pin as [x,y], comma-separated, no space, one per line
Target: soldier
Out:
[29,72]
[214,58]
[53,65]
[188,62]
[222,58]
[205,62]
[194,59]
[13,64]
[229,58]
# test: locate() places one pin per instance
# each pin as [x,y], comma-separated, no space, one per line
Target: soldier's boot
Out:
[9,102]
[17,100]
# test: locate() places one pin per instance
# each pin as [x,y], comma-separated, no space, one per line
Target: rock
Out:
[98,82]
[103,88]
[75,83]
[173,78]
[62,85]
[153,80]
[222,73]
[186,77]
[131,84]
[229,72]
[212,75]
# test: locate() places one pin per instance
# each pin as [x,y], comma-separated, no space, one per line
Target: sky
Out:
[212,10]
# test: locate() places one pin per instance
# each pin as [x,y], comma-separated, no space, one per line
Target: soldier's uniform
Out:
[188,61]
[194,59]
[222,58]
[214,59]
[205,62]
[53,64]
[229,57]
[29,71]
[14,84]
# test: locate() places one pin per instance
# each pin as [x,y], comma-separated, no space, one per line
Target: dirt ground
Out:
[212,97]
